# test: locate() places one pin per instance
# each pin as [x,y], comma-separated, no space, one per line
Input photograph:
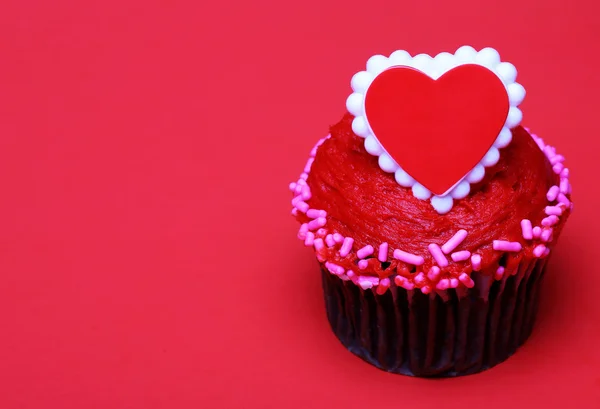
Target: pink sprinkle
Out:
[408,257]
[499,273]
[383,252]
[346,246]
[443,284]
[503,245]
[350,273]
[302,206]
[321,232]
[384,284]
[367,282]
[292,186]
[454,241]
[453,283]
[334,268]
[310,239]
[319,245]
[563,199]
[329,240]
[298,189]
[556,159]
[537,231]
[437,254]
[552,193]
[546,235]
[553,210]
[294,212]
[476,262]
[549,221]
[539,250]
[526,229]
[308,164]
[317,223]
[365,251]
[338,238]
[302,232]
[419,278]
[425,289]
[466,280]
[363,264]
[304,176]
[314,213]
[558,168]
[564,185]
[564,173]
[306,193]
[461,255]
[301,182]
[404,283]
[434,273]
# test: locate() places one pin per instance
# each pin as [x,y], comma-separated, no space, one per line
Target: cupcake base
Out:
[459,332]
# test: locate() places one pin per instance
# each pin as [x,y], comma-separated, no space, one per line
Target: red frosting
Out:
[367,204]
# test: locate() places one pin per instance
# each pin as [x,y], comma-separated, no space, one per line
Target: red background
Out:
[147,255]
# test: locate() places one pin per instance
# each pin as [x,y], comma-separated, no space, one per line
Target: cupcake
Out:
[432,213]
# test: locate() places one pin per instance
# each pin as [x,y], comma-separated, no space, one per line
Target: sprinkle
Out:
[383,252]
[365,283]
[363,264]
[304,176]
[425,289]
[537,231]
[556,159]
[350,273]
[437,254]
[294,212]
[466,280]
[461,255]
[558,168]
[292,186]
[434,273]
[314,213]
[329,240]
[302,232]
[564,173]
[552,193]
[298,189]
[306,195]
[563,199]
[308,164]
[564,185]
[526,229]
[319,245]
[302,206]
[503,245]
[346,246]
[365,251]
[316,223]
[419,278]
[453,283]
[338,238]
[499,273]
[335,269]
[453,243]
[384,284]
[443,284]
[549,221]
[476,262]
[310,239]
[539,250]
[546,235]
[408,257]
[404,283]
[553,210]
[321,232]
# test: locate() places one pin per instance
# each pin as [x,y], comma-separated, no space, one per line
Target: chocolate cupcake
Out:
[432,244]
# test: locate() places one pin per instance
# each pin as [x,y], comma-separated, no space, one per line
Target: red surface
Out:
[147,255]
[437,130]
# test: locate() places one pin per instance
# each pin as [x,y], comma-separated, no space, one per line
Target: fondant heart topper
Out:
[436,122]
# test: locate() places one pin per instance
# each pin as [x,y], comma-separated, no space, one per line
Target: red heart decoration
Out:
[437,130]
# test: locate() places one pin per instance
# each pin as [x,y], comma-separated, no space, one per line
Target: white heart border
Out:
[436,67]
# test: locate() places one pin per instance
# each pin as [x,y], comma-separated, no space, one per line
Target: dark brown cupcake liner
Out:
[459,332]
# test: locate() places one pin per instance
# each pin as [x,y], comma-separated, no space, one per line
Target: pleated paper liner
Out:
[464,332]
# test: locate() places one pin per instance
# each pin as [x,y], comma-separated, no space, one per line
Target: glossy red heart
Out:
[437,130]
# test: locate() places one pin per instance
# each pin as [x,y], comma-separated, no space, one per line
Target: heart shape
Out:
[437,130]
